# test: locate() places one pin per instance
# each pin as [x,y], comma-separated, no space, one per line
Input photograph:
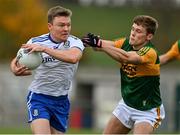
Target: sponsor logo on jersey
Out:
[129,69]
[48,59]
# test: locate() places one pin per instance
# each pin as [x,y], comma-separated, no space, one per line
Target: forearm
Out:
[71,56]
[164,59]
[117,57]
[116,53]
[120,55]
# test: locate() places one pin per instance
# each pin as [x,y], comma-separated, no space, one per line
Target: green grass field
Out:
[21,130]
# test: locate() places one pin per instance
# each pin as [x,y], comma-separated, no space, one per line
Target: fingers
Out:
[22,71]
[92,40]
[86,41]
[25,73]
[28,47]
[34,47]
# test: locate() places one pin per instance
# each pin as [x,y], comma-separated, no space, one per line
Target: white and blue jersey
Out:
[53,77]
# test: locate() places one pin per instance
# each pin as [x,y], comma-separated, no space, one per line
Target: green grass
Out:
[26,130]
[14,130]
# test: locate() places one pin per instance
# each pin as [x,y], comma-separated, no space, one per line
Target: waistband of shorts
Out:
[61,97]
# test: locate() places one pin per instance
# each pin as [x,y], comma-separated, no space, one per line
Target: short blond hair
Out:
[58,11]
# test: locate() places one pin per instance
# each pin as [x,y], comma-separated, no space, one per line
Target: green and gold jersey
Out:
[174,52]
[140,82]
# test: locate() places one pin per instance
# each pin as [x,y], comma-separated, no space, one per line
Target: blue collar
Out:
[50,38]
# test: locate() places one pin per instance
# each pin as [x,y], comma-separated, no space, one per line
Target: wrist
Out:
[102,43]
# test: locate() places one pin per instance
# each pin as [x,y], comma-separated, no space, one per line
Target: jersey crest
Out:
[67,44]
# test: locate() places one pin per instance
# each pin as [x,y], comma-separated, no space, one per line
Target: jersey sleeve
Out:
[29,41]
[76,42]
[148,55]
[174,52]
[118,43]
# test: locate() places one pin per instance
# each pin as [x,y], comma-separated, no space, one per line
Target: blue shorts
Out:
[55,109]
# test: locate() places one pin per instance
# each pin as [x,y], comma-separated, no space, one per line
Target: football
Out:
[30,60]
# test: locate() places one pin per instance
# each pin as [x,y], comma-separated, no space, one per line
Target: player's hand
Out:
[92,40]
[19,70]
[33,47]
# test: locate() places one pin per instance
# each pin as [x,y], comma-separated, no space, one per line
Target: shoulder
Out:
[75,42]
[74,38]
[149,54]
[40,38]
[144,50]
[148,49]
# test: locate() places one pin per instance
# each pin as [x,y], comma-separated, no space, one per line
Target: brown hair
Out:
[148,22]
[58,11]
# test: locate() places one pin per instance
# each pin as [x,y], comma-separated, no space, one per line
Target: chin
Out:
[64,39]
[131,43]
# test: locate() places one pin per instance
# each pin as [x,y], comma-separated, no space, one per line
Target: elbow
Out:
[73,60]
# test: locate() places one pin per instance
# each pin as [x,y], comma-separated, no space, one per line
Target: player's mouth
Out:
[132,39]
[65,34]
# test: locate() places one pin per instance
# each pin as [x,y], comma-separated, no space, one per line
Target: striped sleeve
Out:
[148,55]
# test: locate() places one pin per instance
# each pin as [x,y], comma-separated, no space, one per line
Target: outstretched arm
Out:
[119,54]
[164,59]
[109,48]
[170,55]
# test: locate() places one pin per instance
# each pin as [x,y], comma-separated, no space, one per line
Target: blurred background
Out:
[96,87]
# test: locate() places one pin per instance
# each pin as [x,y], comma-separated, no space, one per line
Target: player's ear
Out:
[149,36]
[49,26]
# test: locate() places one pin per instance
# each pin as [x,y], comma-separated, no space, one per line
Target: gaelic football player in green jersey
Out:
[172,54]
[140,108]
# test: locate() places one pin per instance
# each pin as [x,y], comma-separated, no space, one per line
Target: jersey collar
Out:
[50,38]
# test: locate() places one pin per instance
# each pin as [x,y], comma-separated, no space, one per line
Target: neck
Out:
[53,39]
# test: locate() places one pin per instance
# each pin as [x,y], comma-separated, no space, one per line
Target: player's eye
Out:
[61,25]
[132,29]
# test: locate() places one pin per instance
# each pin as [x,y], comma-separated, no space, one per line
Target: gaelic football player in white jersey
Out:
[47,102]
